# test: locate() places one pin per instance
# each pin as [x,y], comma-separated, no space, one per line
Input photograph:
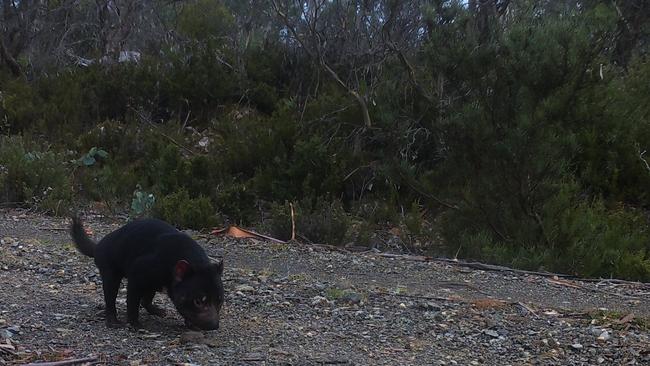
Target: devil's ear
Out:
[181,270]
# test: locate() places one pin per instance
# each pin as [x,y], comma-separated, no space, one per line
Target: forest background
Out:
[512,132]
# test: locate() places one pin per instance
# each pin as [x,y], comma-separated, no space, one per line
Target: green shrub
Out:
[594,241]
[322,222]
[580,237]
[181,210]
[236,201]
[36,178]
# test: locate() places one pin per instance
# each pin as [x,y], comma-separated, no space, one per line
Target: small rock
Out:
[318,300]
[263,279]
[402,306]
[576,346]
[595,331]
[5,334]
[351,297]
[429,306]
[491,333]
[245,288]
[604,336]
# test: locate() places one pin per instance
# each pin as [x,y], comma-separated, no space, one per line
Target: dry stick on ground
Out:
[7,350]
[293,223]
[496,268]
[65,362]
[489,267]
[628,297]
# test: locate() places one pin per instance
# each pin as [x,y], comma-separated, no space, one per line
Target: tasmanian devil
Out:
[153,256]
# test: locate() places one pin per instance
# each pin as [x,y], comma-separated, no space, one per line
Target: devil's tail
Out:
[81,240]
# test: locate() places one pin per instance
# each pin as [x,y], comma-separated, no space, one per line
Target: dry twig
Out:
[64,362]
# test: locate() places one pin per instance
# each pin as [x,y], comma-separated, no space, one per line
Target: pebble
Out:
[318,300]
[351,297]
[604,336]
[491,333]
[245,288]
[5,334]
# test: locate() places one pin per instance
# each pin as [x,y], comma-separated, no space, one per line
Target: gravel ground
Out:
[290,304]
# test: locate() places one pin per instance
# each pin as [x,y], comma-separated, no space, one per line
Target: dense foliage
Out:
[518,132]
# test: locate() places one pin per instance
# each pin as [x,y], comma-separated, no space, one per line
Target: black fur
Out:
[153,256]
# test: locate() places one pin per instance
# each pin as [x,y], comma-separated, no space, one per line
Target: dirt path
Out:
[290,304]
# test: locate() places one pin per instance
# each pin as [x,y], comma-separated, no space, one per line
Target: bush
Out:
[580,237]
[36,178]
[322,222]
[180,210]
[591,240]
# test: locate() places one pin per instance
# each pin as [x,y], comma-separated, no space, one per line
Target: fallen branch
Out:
[497,268]
[627,297]
[555,277]
[563,283]
[293,223]
[8,349]
[407,257]
[65,362]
